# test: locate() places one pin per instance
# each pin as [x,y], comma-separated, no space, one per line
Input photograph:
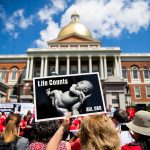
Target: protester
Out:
[10,134]
[96,133]
[131,113]
[23,125]
[141,131]
[120,117]
[44,131]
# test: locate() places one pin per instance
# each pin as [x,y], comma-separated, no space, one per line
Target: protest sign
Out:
[55,96]
[21,108]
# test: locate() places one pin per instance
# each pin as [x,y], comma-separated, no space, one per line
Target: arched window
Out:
[146,73]
[14,72]
[124,73]
[3,72]
[135,72]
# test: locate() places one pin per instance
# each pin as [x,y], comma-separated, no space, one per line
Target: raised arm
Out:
[56,139]
[74,91]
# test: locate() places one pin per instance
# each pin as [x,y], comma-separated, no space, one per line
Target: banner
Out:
[21,108]
[55,96]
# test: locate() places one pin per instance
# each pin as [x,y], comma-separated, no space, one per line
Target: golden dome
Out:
[75,27]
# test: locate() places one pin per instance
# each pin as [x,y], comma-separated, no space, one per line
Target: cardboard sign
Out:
[55,96]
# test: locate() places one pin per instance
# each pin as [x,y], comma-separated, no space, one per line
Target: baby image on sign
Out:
[79,94]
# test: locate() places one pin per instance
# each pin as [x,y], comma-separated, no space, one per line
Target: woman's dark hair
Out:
[45,130]
[121,116]
[144,141]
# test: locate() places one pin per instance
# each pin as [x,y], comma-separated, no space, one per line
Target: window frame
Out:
[3,70]
[138,73]
[11,74]
[147,91]
[135,92]
[126,72]
[146,68]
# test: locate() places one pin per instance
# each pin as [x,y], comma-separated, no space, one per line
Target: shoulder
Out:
[23,140]
[22,143]
[131,146]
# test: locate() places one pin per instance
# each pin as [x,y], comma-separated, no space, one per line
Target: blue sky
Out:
[29,24]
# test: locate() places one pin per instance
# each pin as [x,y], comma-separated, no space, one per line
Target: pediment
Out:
[73,38]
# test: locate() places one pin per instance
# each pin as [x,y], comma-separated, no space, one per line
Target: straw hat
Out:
[141,123]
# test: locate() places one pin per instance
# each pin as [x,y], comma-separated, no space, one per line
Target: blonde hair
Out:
[11,131]
[98,133]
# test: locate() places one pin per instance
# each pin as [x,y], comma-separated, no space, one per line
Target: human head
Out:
[11,131]
[98,132]
[120,116]
[140,123]
[85,86]
[45,130]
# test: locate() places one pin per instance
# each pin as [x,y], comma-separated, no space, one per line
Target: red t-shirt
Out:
[131,146]
[76,145]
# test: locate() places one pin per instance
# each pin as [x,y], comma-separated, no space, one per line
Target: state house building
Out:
[125,77]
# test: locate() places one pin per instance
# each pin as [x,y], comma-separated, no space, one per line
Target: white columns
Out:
[42,67]
[120,67]
[56,65]
[31,68]
[101,67]
[27,68]
[79,64]
[46,66]
[90,64]
[116,66]
[68,65]
[105,67]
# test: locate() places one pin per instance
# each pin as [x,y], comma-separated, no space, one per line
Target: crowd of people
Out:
[93,132]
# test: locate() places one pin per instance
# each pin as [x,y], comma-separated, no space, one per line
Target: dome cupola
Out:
[75,27]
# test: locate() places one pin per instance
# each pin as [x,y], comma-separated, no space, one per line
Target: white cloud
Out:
[46,14]
[110,17]
[14,21]
[59,4]
[49,33]
[107,18]
[9,26]
[18,20]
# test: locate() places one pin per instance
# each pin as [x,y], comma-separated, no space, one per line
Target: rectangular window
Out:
[21,90]
[74,69]
[135,74]
[137,92]
[148,91]
[51,69]
[84,68]
[37,72]
[63,70]
[14,74]
[146,73]
[124,73]
[109,71]
[95,68]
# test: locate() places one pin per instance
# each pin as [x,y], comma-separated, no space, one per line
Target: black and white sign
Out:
[55,96]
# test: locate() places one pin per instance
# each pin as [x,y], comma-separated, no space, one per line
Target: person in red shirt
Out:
[23,125]
[131,112]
